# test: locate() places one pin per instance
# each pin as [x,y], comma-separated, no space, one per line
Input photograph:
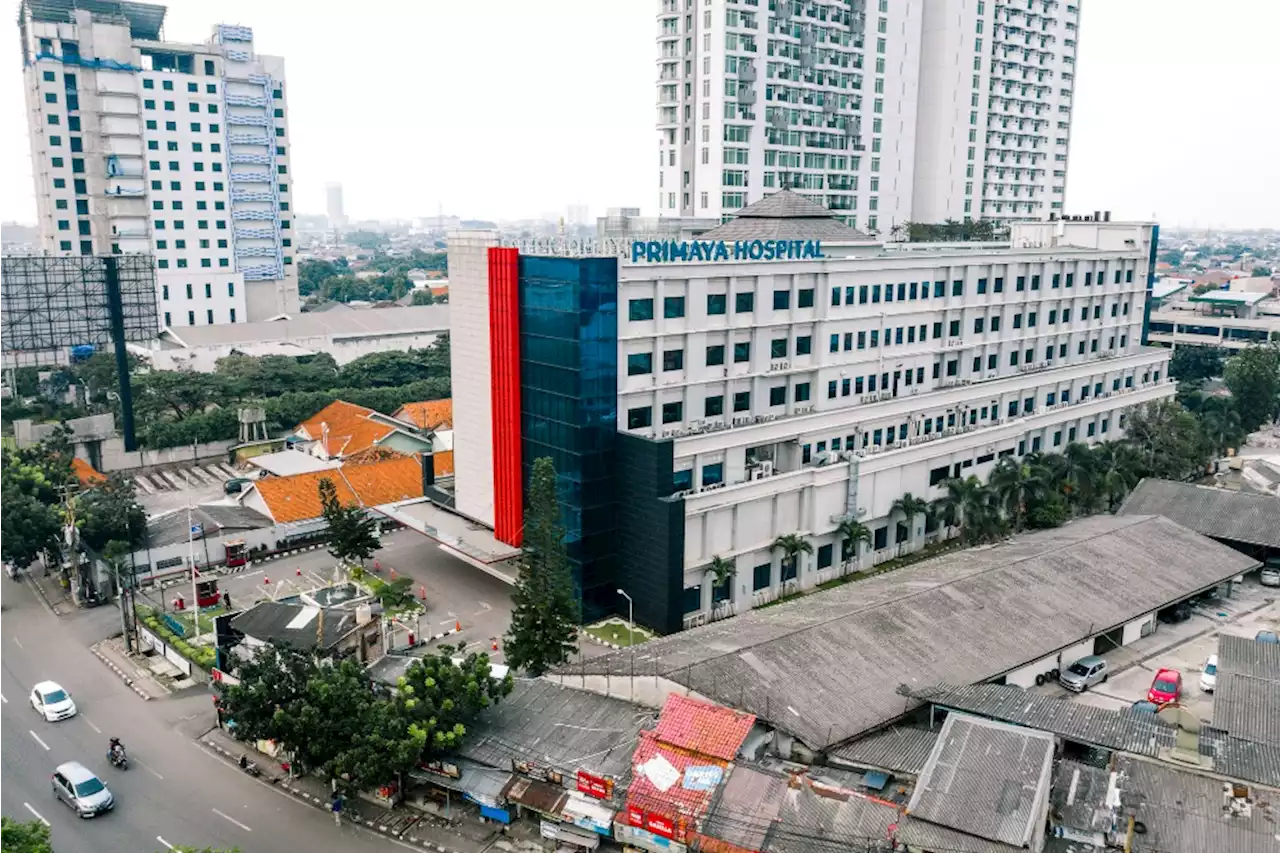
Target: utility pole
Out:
[195,595]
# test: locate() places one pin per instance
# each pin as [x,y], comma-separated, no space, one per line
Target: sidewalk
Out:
[48,588]
[132,669]
[462,834]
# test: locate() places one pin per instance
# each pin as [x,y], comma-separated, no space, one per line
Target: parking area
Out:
[1184,646]
[162,490]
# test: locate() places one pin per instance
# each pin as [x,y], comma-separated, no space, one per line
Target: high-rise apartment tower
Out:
[176,149]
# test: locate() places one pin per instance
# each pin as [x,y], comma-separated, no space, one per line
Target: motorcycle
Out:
[118,758]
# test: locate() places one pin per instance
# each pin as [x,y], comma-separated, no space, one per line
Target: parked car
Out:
[1166,687]
[1209,675]
[1142,706]
[52,702]
[1270,575]
[75,785]
[1267,637]
[1179,612]
[236,485]
[1084,673]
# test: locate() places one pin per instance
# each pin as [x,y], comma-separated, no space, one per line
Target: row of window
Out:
[191,317]
[167,85]
[208,291]
[673,307]
[193,107]
[641,417]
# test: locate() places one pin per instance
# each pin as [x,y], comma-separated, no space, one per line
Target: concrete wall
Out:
[1073,653]
[1026,676]
[116,458]
[1134,630]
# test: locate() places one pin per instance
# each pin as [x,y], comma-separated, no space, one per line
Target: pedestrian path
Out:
[200,476]
[418,828]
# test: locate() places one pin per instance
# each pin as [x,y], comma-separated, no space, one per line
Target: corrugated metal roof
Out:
[1121,730]
[1247,707]
[1078,796]
[900,749]
[922,835]
[830,666]
[1220,513]
[1185,812]
[813,822]
[1246,656]
[702,727]
[746,808]
[986,779]
[558,726]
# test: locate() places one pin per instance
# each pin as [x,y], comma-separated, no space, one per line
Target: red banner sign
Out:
[594,786]
[660,825]
[635,816]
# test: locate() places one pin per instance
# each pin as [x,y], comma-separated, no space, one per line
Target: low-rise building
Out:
[343,430]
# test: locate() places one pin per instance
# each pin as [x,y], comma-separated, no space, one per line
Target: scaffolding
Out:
[52,304]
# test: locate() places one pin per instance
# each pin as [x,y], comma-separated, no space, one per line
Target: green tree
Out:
[440,697]
[722,571]
[1253,375]
[31,836]
[1195,362]
[423,297]
[1118,470]
[178,393]
[1261,272]
[909,506]
[962,499]
[1220,422]
[792,545]
[852,533]
[110,511]
[1080,481]
[1016,486]
[391,368]
[274,374]
[545,615]
[352,533]
[1168,440]
[395,594]
[1173,257]
[30,528]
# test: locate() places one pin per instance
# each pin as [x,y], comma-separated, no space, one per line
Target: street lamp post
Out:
[631,619]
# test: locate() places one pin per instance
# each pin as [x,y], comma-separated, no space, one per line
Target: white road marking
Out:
[485,607]
[91,725]
[37,737]
[148,769]
[39,816]
[233,820]
[3,701]
[165,843]
[19,643]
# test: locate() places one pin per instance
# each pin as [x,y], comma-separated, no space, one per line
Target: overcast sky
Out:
[512,109]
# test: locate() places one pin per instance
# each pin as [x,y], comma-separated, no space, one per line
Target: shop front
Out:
[471,782]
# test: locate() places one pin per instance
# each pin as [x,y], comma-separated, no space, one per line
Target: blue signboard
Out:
[685,251]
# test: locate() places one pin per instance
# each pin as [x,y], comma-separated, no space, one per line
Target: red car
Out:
[1166,687]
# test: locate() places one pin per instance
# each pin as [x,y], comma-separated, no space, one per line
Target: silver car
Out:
[1084,673]
[75,785]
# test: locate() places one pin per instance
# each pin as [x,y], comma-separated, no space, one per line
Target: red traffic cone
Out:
[393,574]
[266,580]
[495,644]
[422,593]
[457,625]
[299,571]
[377,565]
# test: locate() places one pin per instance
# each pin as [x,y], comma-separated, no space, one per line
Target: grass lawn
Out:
[613,631]
[207,615]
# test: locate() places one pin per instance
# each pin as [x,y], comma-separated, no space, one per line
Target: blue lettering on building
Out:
[686,251]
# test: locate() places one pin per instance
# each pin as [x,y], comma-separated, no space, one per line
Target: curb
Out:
[282,554]
[302,796]
[44,596]
[146,697]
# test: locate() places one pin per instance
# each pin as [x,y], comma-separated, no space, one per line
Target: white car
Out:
[1209,676]
[1270,576]
[52,702]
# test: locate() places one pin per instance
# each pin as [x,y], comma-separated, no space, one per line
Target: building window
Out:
[778,348]
[712,474]
[741,352]
[802,392]
[804,345]
[761,576]
[673,359]
[672,412]
[638,309]
[672,307]
[639,363]
[716,303]
[805,300]
[781,300]
[715,355]
[778,395]
[744,303]
[742,401]
[640,418]
[713,406]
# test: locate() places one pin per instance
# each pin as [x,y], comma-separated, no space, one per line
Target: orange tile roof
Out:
[350,428]
[387,481]
[440,291]
[297,497]
[85,472]
[442,463]
[429,414]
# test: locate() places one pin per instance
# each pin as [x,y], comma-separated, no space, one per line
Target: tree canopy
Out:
[31,836]
[110,511]
[1253,375]
[545,616]
[352,533]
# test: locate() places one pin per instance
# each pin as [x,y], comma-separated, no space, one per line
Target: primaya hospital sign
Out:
[686,251]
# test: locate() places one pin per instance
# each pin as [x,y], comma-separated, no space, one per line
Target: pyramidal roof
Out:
[785,215]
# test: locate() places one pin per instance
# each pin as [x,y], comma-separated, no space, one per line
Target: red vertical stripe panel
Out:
[504,354]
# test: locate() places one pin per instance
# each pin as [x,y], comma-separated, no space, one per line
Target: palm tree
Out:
[722,571]
[1119,469]
[963,498]
[910,506]
[1081,476]
[1015,485]
[792,545]
[1220,422]
[985,520]
[851,532]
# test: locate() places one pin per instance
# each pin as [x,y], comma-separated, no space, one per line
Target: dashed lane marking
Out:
[165,843]
[91,725]
[37,737]
[228,817]
[39,816]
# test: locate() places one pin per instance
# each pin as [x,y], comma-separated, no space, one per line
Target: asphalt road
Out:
[456,591]
[174,791]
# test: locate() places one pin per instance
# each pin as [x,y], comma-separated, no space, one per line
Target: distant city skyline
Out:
[1168,124]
